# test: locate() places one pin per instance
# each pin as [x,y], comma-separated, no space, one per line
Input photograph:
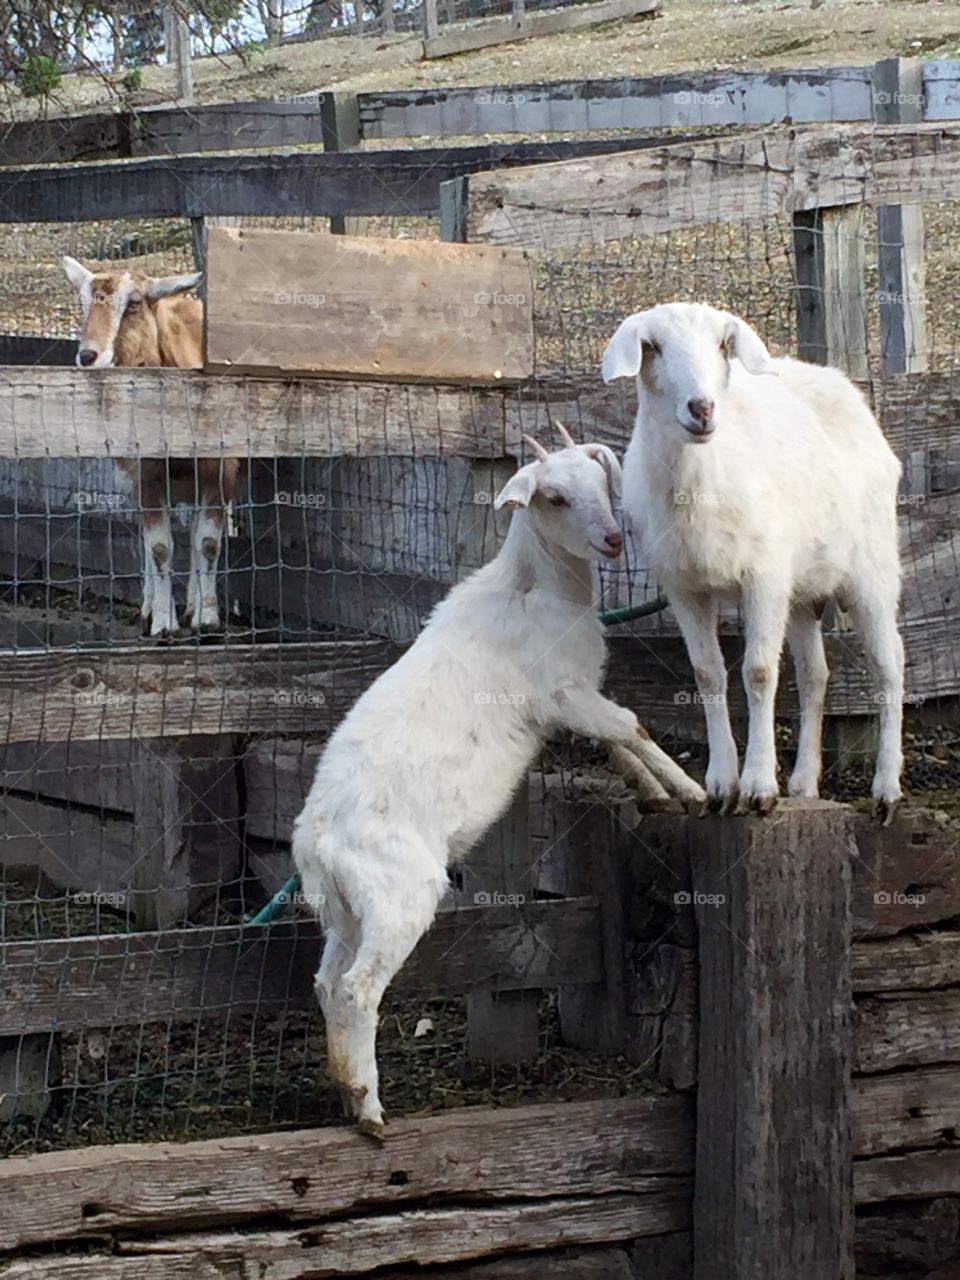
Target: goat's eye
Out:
[558,500]
[652,347]
[133,301]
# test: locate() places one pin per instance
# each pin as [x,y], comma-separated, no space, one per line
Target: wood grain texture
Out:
[910,961]
[289,302]
[912,1176]
[158,413]
[770,173]
[179,974]
[912,1238]
[671,101]
[596,1149]
[829,247]
[359,1246]
[523,27]
[773,1160]
[172,692]
[903,1109]
[906,876]
[907,1029]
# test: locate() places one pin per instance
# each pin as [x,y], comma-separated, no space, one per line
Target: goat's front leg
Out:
[765,608]
[158,608]
[206,536]
[697,615]
[635,757]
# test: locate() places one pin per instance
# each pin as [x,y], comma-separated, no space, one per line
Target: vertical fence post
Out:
[340,126]
[773,1198]
[898,99]
[389,22]
[831,316]
[178,51]
[430,25]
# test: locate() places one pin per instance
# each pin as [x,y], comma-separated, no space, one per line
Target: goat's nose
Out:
[614,541]
[86,356]
[701,410]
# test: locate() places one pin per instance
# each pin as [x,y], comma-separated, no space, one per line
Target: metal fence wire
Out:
[149,788]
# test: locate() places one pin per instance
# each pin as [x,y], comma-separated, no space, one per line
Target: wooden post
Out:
[340,125]
[773,1198]
[388,17]
[831,316]
[430,25]
[178,51]
[898,99]
[30,1067]
[518,10]
[454,198]
[186,826]
[502,1026]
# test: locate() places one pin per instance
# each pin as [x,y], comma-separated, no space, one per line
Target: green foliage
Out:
[37,76]
[132,80]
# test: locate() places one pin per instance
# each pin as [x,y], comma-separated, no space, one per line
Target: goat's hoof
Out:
[761,804]
[717,802]
[373,1129]
[885,809]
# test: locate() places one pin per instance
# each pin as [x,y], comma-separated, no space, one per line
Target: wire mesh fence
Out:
[149,787]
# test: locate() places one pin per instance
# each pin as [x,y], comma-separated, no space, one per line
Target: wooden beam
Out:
[341,129]
[772,900]
[898,99]
[831,309]
[62,695]
[907,1029]
[688,98]
[181,974]
[524,27]
[365,1244]
[915,1175]
[593,1149]
[290,302]
[909,961]
[395,183]
[766,174]
[183,413]
[903,1109]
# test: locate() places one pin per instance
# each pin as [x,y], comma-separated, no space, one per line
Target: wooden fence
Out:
[685,100]
[784,920]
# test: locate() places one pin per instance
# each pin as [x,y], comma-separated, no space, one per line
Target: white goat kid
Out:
[431,754]
[780,492]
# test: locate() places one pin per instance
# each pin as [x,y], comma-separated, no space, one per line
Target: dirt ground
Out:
[690,34]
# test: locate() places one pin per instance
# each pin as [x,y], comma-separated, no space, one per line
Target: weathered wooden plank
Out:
[359,1246]
[290,302]
[593,1149]
[902,1109]
[362,1245]
[539,24]
[911,961]
[906,876]
[391,183]
[898,99]
[773,1156]
[907,1029]
[770,173]
[914,1176]
[798,96]
[831,312]
[64,695]
[897,1239]
[184,413]
[941,89]
[129,979]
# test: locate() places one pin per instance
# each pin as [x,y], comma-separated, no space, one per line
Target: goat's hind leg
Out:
[876,619]
[339,953]
[805,638]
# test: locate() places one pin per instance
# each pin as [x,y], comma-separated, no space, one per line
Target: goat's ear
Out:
[623,354]
[611,465]
[164,286]
[748,347]
[519,489]
[77,273]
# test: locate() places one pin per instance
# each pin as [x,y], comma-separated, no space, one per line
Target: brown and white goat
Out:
[132,319]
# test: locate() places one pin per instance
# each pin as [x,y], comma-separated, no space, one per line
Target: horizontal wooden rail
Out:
[504,30]
[394,183]
[178,975]
[802,95]
[69,413]
[466,1156]
[766,174]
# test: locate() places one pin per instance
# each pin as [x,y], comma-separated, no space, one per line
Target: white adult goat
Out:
[780,492]
[430,755]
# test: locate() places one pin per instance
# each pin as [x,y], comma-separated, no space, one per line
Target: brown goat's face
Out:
[119,324]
